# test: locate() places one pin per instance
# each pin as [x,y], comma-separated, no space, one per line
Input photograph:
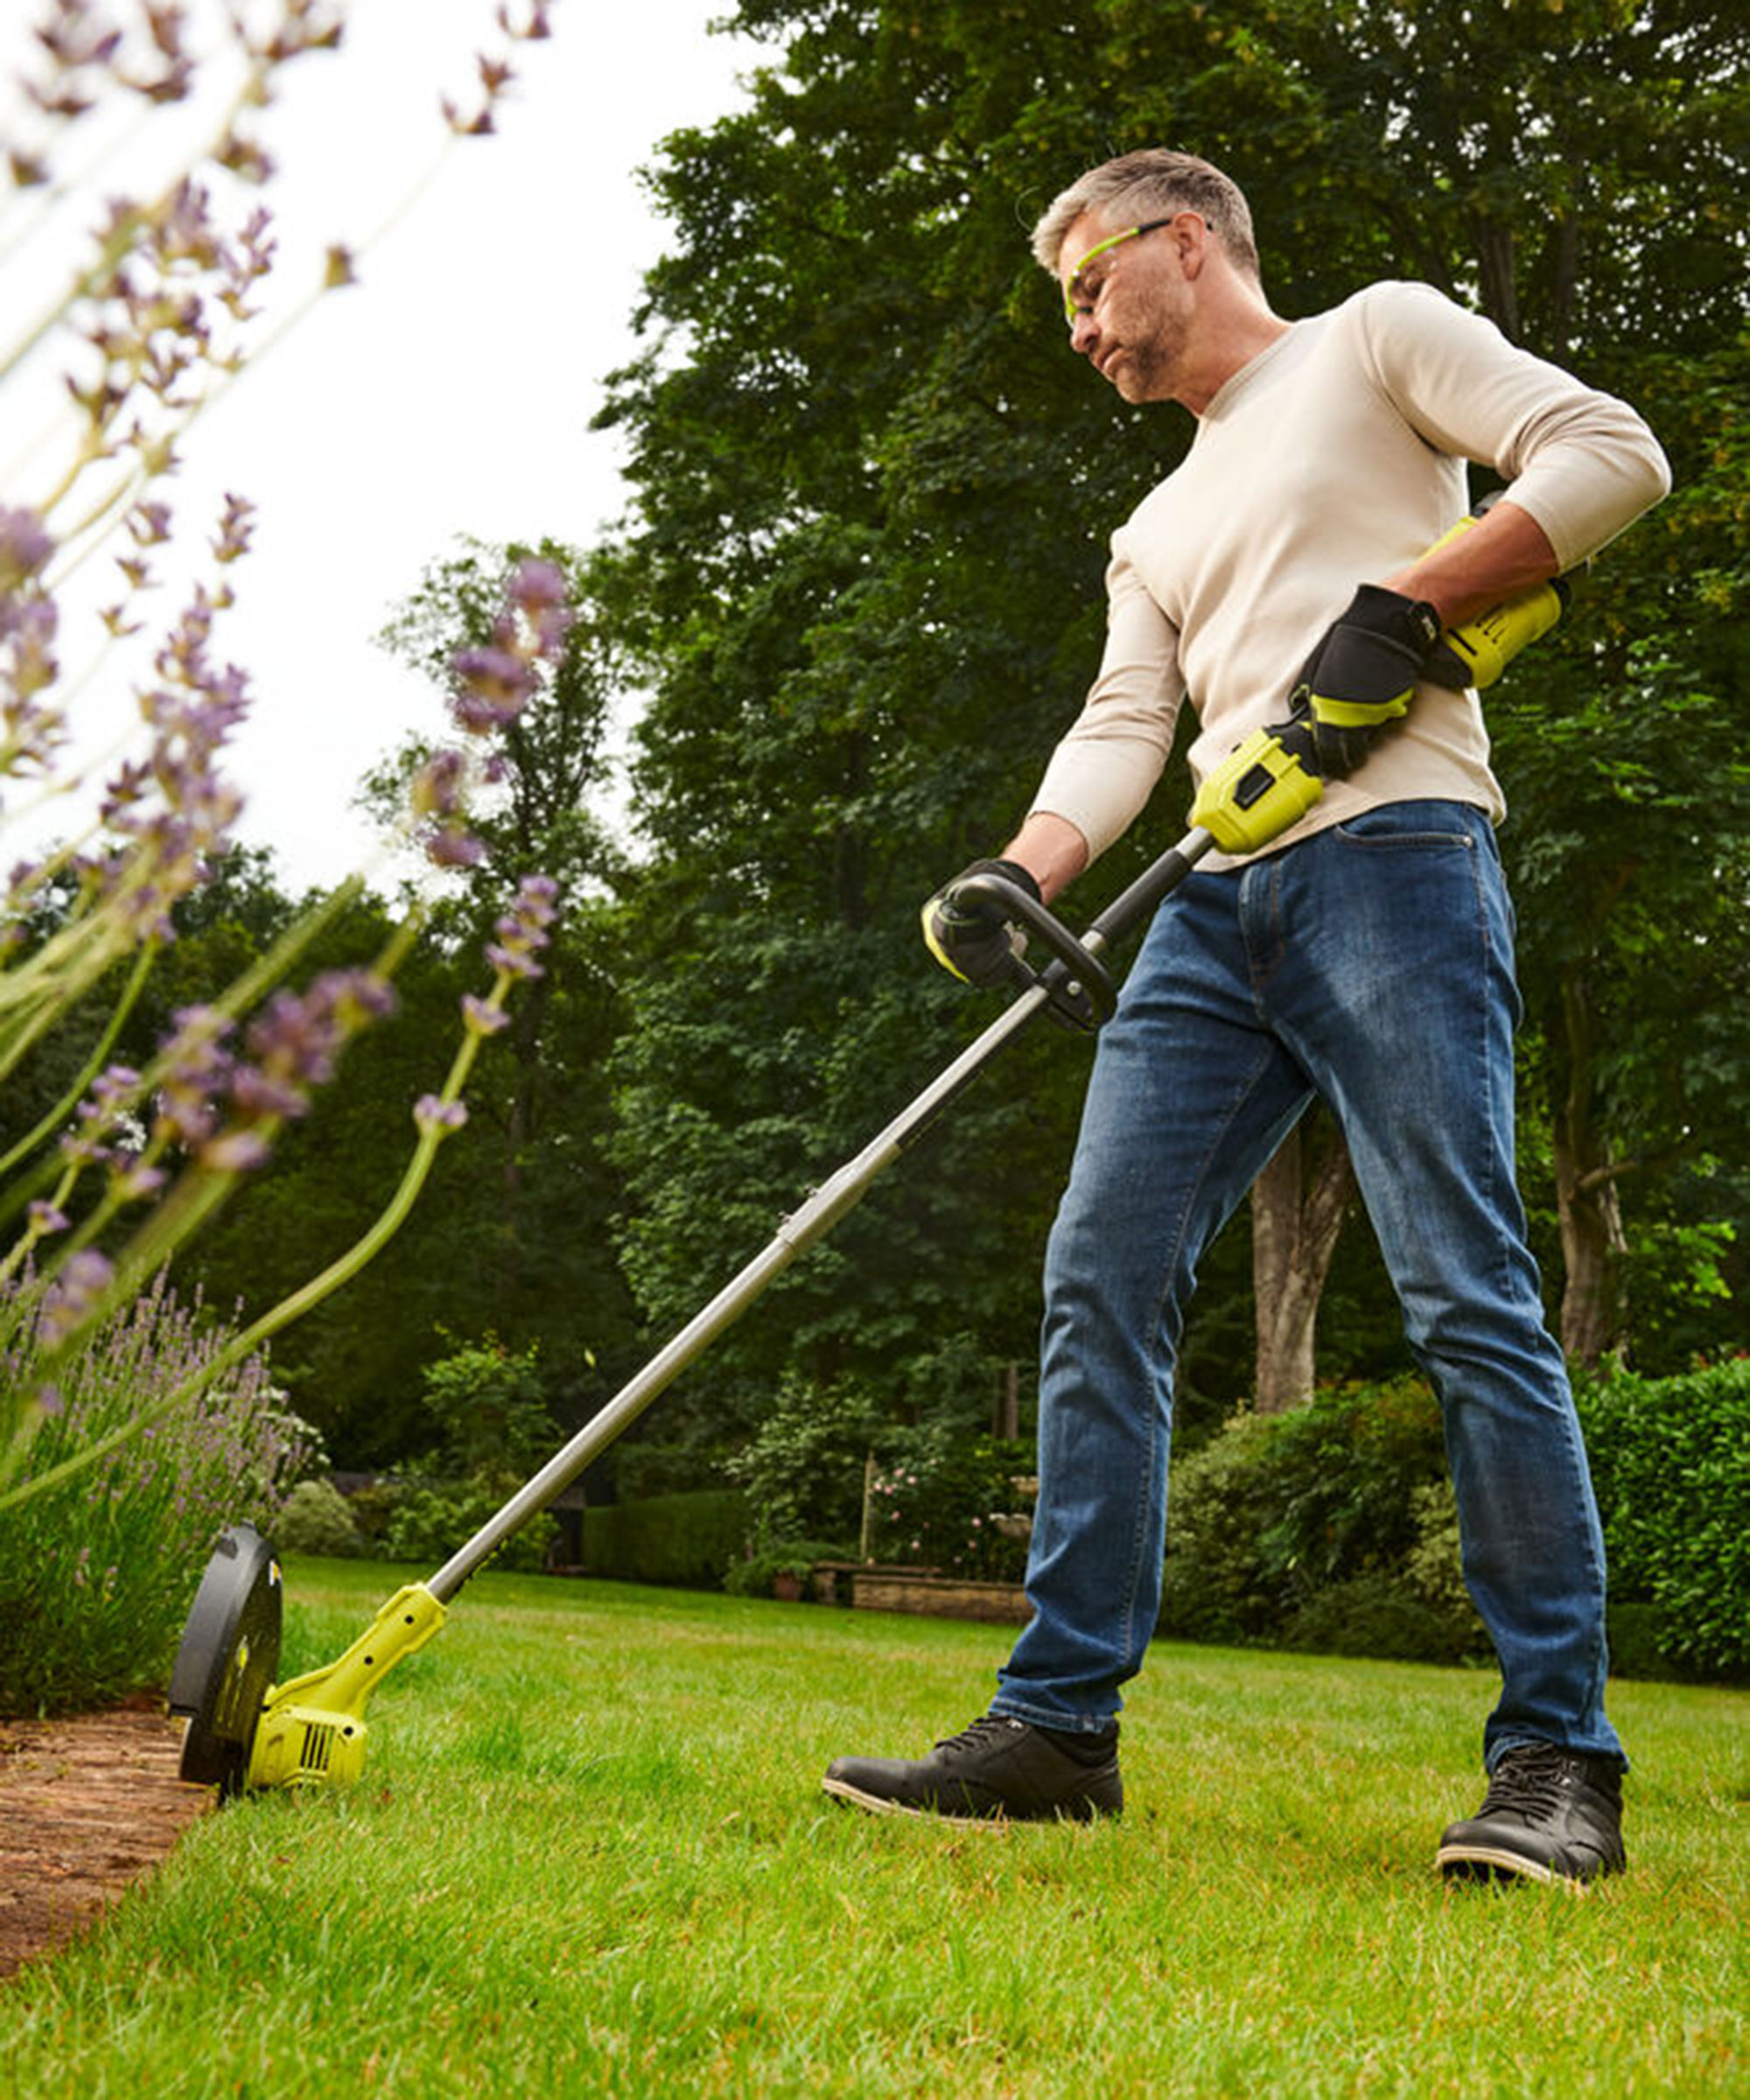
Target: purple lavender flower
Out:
[245,158]
[496,685]
[235,1153]
[174,77]
[294,1045]
[149,522]
[197,1073]
[131,1180]
[304,25]
[496,681]
[452,847]
[438,785]
[26,545]
[539,592]
[481,1017]
[235,526]
[115,1086]
[28,732]
[436,1118]
[73,1296]
[295,1040]
[522,930]
[182,231]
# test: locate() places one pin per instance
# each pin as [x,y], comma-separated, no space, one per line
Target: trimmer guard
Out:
[229,1658]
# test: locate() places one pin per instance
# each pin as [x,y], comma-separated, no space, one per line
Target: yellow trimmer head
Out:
[244,1731]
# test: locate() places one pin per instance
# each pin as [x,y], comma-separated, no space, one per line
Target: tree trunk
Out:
[1587,1203]
[1298,1205]
[1593,1243]
[1496,259]
[1005,1420]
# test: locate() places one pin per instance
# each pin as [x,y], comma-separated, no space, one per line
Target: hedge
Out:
[682,1540]
[1670,1460]
[1334,1527]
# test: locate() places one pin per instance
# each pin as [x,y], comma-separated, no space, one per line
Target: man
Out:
[1363,955]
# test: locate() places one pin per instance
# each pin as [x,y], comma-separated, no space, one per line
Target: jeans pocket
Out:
[1414,826]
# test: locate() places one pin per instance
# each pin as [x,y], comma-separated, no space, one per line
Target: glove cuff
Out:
[1412,623]
[1010,870]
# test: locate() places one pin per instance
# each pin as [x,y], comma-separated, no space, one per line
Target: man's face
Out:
[1131,303]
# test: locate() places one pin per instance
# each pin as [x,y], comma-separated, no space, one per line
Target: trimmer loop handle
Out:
[1080,984]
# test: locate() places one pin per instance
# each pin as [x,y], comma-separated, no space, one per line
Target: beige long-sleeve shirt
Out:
[1334,458]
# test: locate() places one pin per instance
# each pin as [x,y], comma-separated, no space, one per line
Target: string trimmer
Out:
[246,1731]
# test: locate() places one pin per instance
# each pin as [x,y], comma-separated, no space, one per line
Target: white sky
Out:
[449,393]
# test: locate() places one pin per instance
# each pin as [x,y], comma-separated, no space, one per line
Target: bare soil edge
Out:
[88,1805]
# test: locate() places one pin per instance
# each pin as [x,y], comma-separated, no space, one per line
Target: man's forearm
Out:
[1504,553]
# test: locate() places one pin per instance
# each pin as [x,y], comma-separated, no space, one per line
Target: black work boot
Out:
[997,1770]
[1550,1815]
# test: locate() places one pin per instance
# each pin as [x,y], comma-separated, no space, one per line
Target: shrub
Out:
[642,1470]
[1329,1526]
[433,1517]
[96,1572]
[803,1469]
[314,1518]
[489,1408]
[1334,1526]
[1375,1614]
[753,1574]
[1433,1570]
[1671,1463]
[937,1499]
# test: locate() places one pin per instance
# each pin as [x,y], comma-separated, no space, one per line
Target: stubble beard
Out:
[1149,363]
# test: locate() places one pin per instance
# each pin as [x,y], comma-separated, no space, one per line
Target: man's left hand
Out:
[1362,674]
[970,938]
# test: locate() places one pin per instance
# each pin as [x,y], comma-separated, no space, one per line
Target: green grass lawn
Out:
[588,1855]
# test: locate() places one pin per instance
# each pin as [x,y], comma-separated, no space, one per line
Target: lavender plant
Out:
[121,1170]
[96,1576]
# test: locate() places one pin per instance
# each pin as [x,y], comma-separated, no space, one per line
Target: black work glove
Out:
[973,940]
[1363,676]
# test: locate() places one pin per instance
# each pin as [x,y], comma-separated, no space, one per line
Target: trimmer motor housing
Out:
[229,1658]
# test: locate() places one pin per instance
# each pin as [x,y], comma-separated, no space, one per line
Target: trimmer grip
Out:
[1084,979]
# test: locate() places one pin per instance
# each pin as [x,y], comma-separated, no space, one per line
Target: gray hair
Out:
[1151,184]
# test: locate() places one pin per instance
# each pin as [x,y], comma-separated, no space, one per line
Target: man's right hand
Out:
[1363,676]
[1357,682]
[971,939]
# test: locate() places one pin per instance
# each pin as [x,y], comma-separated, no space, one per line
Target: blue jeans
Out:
[1372,965]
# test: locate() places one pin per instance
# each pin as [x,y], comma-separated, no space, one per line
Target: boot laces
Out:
[1529,1782]
[982,1732]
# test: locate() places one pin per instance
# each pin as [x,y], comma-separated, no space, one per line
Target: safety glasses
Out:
[1072,290]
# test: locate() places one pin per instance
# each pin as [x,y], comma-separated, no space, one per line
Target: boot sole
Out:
[878,1804]
[1499,1866]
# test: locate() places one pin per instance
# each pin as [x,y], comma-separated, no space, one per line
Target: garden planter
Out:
[871,1586]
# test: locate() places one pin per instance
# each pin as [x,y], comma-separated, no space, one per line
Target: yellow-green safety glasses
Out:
[1072,285]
